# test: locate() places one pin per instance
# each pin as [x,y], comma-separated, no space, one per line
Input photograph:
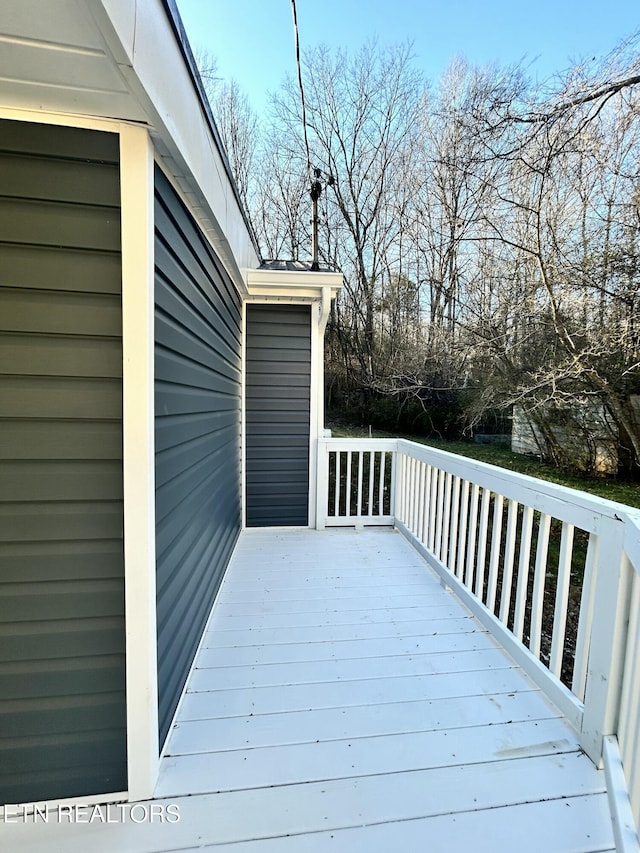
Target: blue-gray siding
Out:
[197,393]
[278,377]
[62,650]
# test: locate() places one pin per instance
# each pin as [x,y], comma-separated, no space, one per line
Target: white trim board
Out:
[137,199]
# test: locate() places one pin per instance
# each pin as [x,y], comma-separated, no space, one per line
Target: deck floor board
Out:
[343,700]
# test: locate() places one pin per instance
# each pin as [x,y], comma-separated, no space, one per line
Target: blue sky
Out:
[253,39]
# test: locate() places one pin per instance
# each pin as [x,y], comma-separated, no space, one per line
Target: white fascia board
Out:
[151,62]
[293,285]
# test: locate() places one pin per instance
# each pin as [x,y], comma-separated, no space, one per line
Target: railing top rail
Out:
[559,501]
[366,444]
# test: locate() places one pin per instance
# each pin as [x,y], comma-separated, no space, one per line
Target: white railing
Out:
[356,482]
[553,572]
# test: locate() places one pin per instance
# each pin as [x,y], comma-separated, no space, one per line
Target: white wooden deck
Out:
[344,701]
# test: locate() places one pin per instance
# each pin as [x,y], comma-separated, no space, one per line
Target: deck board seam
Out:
[355,737]
[327,780]
[533,690]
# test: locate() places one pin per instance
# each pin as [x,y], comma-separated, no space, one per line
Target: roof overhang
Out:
[292,285]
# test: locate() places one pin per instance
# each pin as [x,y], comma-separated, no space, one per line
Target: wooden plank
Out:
[388,666]
[299,697]
[366,756]
[296,582]
[364,631]
[578,824]
[271,604]
[254,655]
[311,726]
[376,802]
[235,601]
[441,610]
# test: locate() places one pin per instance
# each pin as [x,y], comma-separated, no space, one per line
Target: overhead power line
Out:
[300,84]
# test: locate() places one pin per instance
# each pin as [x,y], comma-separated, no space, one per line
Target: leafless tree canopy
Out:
[488,229]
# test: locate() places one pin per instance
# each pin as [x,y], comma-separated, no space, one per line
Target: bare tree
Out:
[362,113]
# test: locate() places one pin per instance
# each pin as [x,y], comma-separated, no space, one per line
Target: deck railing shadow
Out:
[552,572]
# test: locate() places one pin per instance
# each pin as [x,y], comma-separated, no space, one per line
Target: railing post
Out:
[607,641]
[322,484]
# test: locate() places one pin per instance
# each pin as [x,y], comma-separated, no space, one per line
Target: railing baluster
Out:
[393,497]
[562,598]
[348,486]
[539,577]
[439,521]
[411,483]
[494,559]
[411,495]
[405,488]
[462,532]
[426,509]
[401,476]
[442,553]
[372,470]
[585,621]
[433,498]
[455,514]
[509,554]
[336,497]
[383,459]
[471,540]
[522,585]
[419,529]
[359,504]
[482,542]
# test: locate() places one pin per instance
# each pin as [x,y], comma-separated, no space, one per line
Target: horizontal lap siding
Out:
[197,393]
[278,370]
[62,649]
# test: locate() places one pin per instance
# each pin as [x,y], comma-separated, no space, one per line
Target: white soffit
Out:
[294,285]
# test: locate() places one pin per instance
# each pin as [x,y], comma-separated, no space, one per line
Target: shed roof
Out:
[279,265]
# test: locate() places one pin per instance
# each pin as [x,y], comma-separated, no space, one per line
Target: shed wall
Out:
[197,398]
[62,635]
[277,404]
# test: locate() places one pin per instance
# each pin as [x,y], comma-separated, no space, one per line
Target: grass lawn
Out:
[605,487]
